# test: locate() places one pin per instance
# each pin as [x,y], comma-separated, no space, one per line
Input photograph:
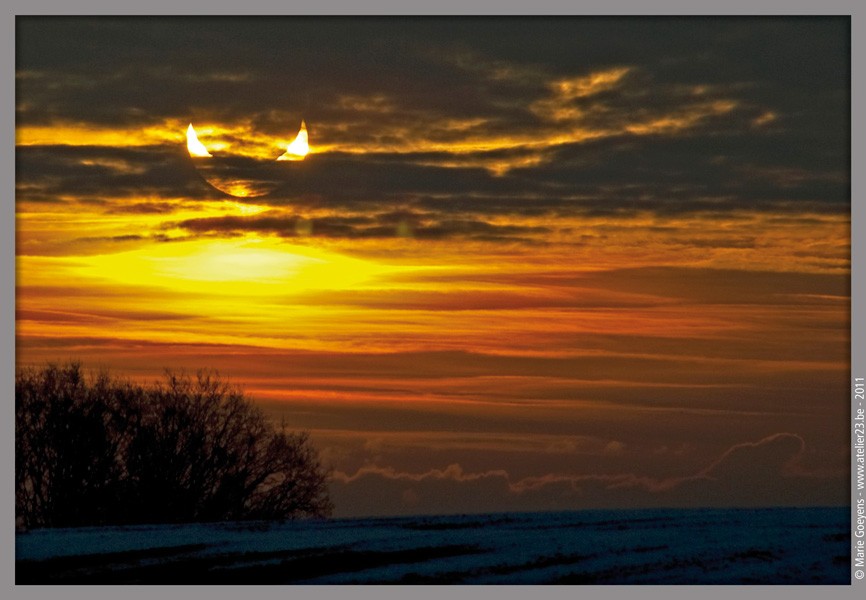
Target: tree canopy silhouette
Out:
[100,450]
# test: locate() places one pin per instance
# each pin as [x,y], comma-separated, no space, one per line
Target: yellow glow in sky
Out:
[250,266]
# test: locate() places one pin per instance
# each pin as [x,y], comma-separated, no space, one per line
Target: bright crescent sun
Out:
[193,146]
[299,148]
[247,178]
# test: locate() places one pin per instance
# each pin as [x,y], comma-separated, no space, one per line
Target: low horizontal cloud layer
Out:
[750,474]
[386,225]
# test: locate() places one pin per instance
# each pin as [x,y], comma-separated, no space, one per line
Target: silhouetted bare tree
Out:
[106,451]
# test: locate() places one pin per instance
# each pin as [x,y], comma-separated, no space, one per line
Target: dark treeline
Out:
[100,450]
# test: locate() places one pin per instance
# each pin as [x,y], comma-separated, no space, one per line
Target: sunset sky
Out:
[528,263]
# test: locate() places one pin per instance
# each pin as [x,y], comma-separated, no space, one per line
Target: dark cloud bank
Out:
[372,83]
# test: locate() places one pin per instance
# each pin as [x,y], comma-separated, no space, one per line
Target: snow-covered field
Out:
[775,546]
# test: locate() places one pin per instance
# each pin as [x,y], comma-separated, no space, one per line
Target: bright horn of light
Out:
[299,148]
[193,146]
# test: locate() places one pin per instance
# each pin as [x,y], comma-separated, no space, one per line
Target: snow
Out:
[782,545]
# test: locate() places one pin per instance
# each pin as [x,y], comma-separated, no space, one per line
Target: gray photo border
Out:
[381,7]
